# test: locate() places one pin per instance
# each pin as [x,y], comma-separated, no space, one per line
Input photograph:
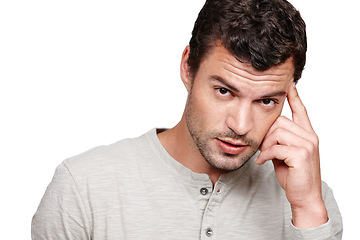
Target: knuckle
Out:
[273,151]
[304,109]
[283,119]
[279,130]
[303,153]
[310,147]
[280,121]
[314,139]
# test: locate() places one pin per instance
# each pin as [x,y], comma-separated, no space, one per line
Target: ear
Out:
[185,69]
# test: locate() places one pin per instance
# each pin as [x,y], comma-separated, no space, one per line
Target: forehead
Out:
[221,63]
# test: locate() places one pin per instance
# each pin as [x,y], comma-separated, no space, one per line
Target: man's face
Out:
[231,106]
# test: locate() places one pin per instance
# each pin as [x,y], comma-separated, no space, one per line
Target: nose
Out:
[240,119]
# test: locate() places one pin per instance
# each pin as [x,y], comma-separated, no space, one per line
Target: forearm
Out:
[331,229]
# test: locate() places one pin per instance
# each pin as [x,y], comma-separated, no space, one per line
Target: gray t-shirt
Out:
[134,189]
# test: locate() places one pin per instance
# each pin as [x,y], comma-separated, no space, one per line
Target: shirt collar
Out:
[188,174]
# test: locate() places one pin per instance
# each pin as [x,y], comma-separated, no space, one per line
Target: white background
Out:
[78,74]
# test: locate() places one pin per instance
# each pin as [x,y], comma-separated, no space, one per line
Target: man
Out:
[206,178]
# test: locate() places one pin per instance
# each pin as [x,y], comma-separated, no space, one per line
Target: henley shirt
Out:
[134,189]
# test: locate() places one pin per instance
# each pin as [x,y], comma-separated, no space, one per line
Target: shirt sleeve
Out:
[61,213]
[332,230]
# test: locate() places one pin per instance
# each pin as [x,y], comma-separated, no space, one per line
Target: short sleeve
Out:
[61,213]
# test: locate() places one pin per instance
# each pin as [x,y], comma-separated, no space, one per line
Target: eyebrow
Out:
[275,94]
[231,87]
[223,81]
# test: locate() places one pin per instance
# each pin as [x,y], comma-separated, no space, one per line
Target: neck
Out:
[181,146]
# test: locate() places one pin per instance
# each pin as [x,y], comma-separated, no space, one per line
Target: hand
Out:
[293,147]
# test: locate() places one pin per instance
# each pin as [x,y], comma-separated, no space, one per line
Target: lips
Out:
[230,147]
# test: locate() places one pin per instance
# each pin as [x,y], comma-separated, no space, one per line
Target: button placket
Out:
[210,224]
[203,195]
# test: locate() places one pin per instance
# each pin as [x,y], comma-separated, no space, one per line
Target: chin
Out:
[228,162]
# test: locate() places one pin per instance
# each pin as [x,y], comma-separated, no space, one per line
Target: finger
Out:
[283,136]
[277,152]
[284,122]
[299,113]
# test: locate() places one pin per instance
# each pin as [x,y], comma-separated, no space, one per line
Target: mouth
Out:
[230,147]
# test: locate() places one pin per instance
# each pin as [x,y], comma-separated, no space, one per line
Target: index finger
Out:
[299,113]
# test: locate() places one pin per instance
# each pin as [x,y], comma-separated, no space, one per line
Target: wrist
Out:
[311,215]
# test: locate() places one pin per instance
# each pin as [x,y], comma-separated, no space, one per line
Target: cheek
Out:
[209,113]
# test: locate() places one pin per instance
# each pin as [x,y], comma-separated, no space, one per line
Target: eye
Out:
[223,91]
[267,102]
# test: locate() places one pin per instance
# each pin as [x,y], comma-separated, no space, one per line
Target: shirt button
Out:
[209,232]
[204,191]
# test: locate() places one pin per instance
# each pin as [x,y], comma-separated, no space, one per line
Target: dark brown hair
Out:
[264,33]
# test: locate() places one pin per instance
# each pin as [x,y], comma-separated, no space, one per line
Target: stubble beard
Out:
[222,161]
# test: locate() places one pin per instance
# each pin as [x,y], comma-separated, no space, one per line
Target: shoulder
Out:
[109,159]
